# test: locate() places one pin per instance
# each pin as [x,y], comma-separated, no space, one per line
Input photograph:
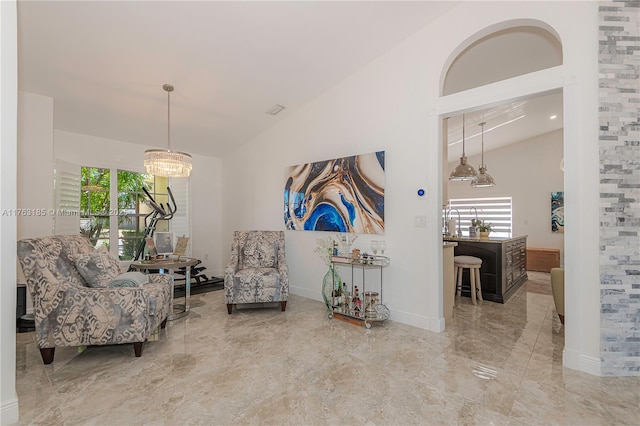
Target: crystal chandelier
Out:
[168,163]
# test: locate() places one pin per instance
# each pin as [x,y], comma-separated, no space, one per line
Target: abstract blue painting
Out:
[557,212]
[340,195]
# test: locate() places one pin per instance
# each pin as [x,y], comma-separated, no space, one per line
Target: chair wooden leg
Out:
[229,308]
[283,305]
[137,348]
[47,354]
[163,324]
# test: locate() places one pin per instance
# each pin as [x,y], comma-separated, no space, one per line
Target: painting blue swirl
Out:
[341,195]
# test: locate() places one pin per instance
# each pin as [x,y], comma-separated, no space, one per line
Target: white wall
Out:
[8,200]
[86,150]
[394,104]
[35,162]
[513,168]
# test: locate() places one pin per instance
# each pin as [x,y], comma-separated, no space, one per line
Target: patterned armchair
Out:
[74,302]
[257,271]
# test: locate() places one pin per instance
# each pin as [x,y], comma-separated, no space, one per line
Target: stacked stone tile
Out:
[619,136]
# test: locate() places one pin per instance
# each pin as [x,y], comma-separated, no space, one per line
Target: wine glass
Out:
[375,246]
[382,245]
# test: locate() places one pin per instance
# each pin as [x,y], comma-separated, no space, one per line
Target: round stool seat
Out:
[473,264]
[467,260]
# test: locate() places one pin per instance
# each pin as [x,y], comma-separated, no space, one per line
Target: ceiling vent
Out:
[277,108]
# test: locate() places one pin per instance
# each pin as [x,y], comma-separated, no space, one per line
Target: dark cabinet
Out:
[503,268]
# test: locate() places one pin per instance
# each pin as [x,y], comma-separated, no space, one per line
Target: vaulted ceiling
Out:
[104,63]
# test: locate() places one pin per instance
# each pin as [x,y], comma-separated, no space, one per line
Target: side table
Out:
[170,265]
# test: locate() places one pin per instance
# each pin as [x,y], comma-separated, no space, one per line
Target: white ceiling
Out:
[505,124]
[104,64]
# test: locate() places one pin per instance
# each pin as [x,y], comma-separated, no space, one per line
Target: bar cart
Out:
[370,310]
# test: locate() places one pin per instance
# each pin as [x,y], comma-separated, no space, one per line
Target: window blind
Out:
[66,219]
[181,223]
[494,210]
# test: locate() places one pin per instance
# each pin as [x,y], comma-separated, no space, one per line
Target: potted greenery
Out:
[484,229]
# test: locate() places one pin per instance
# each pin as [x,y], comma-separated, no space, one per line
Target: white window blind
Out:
[67,206]
[494,210]
[181,223]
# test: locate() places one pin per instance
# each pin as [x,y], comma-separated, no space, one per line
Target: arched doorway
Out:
[489,77]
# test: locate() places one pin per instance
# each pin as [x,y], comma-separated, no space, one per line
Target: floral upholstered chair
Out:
[257,271]
[80,296]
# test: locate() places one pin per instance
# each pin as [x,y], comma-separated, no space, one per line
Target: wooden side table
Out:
[170,265]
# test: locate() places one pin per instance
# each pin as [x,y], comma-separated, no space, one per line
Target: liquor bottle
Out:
[345,294]
[357,303]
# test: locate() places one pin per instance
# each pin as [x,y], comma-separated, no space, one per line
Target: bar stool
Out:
[473,264]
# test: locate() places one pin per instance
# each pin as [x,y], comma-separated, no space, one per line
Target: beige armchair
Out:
[257,271]
[557,289]
[78,302]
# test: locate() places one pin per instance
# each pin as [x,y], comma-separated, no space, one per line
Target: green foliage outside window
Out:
[96,210]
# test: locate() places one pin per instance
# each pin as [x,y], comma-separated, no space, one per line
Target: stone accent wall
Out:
[619,136]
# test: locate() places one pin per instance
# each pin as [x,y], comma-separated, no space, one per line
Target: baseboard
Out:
[9,412]
[576,361]
[431,324]
[305,292]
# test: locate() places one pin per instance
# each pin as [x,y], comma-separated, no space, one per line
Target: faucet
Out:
[474,208]
[451,231]
[459,228]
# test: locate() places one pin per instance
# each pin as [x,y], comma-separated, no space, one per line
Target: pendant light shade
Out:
[168,163]
[463,171]
[484,179]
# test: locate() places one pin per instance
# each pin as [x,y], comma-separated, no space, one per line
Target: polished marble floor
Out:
[495,364]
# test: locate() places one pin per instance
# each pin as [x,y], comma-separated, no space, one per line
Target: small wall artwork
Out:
[340,195]
[557,212]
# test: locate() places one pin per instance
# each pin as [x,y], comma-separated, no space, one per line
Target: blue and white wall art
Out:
[557,212]
[341,195]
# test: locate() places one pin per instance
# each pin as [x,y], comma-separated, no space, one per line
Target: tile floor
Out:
[495,364]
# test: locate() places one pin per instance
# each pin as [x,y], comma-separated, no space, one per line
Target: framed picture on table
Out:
[181,246]
[164,243]
[151,246]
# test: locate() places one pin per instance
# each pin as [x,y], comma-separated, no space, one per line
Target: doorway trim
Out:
[584,303]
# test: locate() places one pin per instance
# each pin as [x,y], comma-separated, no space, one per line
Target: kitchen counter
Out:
[503,268]
[484,240]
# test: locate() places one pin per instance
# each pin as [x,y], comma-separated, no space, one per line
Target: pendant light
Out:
[484,179]
[165,162]
[463,171]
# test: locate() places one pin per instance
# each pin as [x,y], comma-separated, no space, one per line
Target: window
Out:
[97,216]
[109,206]
[94,204]
[132,209]
[494,210]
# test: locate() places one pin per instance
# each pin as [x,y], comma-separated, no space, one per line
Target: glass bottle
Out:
[357,303]
[345,294]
